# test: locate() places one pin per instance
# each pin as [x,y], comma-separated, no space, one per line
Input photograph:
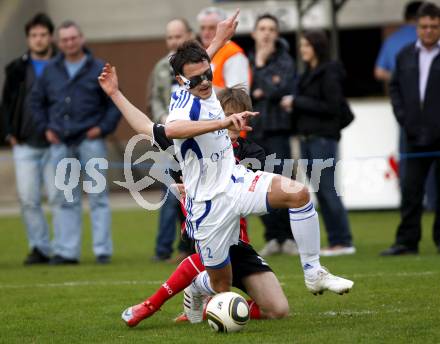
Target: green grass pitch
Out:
[394,300]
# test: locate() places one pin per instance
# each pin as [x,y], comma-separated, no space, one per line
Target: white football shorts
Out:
[215,224]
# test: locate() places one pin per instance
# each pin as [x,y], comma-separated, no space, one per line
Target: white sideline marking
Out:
[77,284]
[397,274]
[106,283]
[348,312]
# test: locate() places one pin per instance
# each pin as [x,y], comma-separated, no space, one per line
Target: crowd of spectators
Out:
[53,108]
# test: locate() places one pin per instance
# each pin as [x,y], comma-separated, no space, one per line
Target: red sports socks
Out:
[187,270]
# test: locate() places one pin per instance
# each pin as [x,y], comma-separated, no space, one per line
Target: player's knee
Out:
[300,198]
[278,311]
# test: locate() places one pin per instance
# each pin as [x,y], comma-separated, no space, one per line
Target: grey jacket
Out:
[163,79]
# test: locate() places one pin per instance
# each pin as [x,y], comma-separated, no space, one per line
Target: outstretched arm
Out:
[182,129]
[225,31]
[177,129]
[135,117]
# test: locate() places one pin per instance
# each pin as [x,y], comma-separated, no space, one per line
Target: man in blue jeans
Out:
[30,148]
[76,115]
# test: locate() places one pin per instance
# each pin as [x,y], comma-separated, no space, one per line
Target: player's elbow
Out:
[173,131]
[170,131]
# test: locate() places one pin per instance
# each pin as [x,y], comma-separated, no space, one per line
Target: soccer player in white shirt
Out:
[218,191]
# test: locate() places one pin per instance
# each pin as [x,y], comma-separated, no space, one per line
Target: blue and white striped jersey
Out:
[207,161]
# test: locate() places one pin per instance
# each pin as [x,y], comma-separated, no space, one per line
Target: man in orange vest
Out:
[230,65]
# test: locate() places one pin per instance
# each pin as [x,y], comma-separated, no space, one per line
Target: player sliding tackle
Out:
[219,191]
[251,273]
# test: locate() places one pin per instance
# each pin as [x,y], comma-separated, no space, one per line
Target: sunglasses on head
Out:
[197,80]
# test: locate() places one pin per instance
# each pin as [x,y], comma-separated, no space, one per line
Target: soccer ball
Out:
[227,312]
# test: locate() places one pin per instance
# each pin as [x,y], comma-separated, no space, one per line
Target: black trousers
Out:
[277,222]
[418,163]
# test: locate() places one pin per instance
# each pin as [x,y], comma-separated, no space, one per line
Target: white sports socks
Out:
[304,223]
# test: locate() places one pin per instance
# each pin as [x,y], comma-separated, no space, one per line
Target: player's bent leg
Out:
[304,223]
[265,289]
[287,193]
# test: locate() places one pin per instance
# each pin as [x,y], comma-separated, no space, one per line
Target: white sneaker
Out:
[272,247]
[338,250]
[193,303]
[324,280]
[289,247]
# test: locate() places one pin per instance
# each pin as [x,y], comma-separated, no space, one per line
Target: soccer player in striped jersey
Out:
[251,273]
[218,191]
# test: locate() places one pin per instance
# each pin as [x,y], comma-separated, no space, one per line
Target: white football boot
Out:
[324,280]
[193,304]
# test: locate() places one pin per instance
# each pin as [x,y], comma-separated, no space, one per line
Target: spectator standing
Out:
[230,66]
[414,91]
[163,85]
[383,70]
[30,148]
[386,60]
[317,107]
[273,74]
[75,114]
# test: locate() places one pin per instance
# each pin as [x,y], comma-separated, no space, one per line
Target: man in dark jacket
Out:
[30,147]
[414,91]
[273,74]
[76,115]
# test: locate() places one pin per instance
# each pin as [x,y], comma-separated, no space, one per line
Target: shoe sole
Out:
[346,291]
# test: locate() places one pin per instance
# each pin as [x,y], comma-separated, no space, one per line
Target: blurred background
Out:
[130,34]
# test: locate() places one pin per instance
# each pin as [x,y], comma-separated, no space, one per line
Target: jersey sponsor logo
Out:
[216,156]
[254,183]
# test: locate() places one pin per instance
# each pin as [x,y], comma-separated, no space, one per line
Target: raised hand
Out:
[226,28]
[108,80]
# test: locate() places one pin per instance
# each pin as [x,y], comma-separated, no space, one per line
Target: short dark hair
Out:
[189,52]
[411,9]
[40,19]
[268,16]
[235,97]
[428,9]
[319,41]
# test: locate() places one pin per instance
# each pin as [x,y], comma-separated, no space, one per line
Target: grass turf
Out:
[395,300]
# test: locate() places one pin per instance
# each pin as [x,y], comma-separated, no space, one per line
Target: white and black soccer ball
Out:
[227,312]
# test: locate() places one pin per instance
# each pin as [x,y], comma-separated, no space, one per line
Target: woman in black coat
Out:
[317,109]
